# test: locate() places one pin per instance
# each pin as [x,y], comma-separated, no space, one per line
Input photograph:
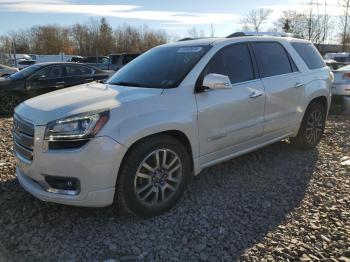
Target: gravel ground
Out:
[274,204]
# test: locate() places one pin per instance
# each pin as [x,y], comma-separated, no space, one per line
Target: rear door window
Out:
[75,70]
[272,59]
[233,61]
[309,54]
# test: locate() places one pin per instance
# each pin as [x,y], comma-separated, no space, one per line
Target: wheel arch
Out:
[178,135]
[320,99]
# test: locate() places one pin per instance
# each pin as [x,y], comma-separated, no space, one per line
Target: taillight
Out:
[346,75]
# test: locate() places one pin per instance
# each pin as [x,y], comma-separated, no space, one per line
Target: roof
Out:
[60,63]
[214,41]
[67,63]
[199,41]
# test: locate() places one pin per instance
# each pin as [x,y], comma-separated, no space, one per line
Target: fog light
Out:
[63,185]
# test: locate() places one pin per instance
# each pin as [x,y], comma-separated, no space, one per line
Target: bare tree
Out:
[80,37]
[344,19]
[194,32]
[106,37]
[94,38]
[134,40]
[50,39]
[291,21]
[21,39]
[255,18]
[313,24]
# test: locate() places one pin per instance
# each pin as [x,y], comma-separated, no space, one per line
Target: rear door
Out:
[78,74]
[283,86]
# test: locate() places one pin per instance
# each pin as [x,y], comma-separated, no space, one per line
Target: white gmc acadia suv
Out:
[178,108]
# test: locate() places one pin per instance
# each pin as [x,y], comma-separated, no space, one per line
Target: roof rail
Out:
[186,39]
[280,34]
[190,38]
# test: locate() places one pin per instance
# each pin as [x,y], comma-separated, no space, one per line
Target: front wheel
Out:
[153,176]
[312,127]
[8,103]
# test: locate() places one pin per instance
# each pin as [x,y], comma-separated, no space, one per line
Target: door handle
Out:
[89,79]
[60,84]
[255,94]
[297,85]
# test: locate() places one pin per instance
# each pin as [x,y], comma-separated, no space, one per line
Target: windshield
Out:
[25,72]
[161,67]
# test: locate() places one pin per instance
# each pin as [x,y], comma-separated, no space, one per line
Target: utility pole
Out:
[14,53]
[212,30]
[345,4]
[1,53]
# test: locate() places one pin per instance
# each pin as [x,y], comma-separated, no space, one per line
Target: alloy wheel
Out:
[314,126]
[158,177]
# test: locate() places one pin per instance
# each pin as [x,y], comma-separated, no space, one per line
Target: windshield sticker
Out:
[195,49]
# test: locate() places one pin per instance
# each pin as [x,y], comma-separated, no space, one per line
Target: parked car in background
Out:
[117,61]
[96,59]
[341,84]
[112,62]
[7,70]
[342,59]
[46,77]
[77,59]
[25,63]
[332,64]
[173,111]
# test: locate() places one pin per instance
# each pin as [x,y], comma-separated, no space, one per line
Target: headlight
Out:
[76,127]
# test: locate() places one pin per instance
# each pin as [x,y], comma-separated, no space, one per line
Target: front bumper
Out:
[95,165]
[341,89]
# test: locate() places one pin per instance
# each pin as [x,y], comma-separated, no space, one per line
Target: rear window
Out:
[309,54]
[26,62]
[75,70]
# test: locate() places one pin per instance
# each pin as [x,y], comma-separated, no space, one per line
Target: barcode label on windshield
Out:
[190,49]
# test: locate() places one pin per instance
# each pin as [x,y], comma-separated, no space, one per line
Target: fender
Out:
[172,112]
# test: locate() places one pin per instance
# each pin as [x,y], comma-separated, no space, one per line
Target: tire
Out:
[312,127]
[8,104]
[146,190]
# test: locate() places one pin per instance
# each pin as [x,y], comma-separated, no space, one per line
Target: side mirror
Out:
[41,77]
[216,81]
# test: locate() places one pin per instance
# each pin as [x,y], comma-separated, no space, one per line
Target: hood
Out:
[80,99]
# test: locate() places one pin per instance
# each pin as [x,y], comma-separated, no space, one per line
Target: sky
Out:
[174,16]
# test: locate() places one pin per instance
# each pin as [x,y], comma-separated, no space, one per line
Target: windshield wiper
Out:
[126,84]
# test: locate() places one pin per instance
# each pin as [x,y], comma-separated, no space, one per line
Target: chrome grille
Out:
[23,138]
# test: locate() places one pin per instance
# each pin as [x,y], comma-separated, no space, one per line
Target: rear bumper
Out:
[341,89]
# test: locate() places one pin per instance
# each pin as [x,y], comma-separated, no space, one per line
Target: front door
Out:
[46,80]
[229,117]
